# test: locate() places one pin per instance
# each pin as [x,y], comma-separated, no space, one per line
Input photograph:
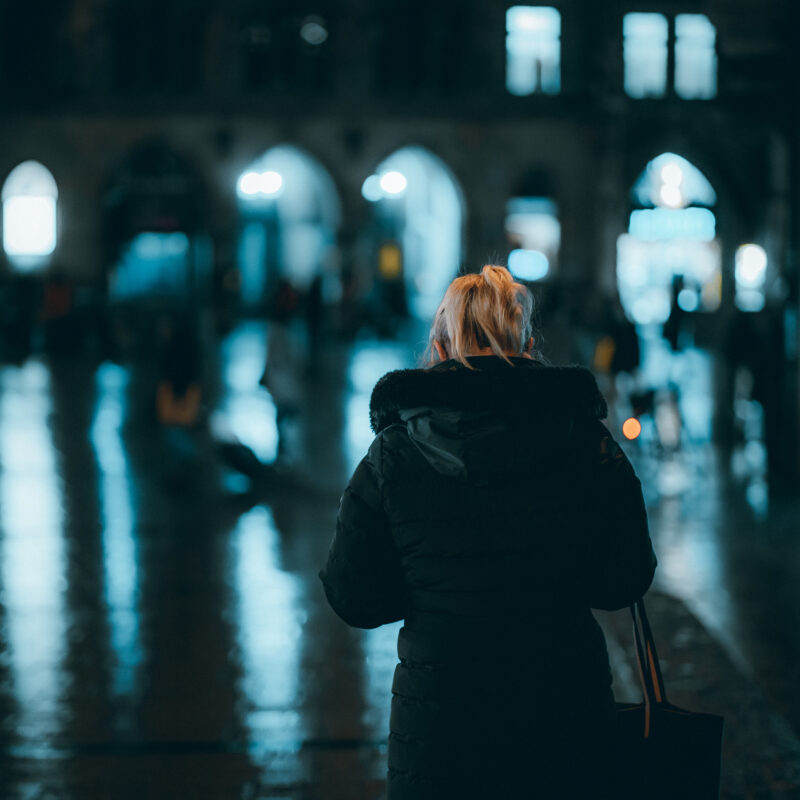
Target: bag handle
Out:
[649,667]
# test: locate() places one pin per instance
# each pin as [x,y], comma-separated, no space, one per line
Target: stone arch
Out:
[417,229]
[290,213]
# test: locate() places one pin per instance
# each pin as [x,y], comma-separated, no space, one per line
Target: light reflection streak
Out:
[692,558]
[246,412]
[269,623]
[120,548]
[380,657]
[33,549]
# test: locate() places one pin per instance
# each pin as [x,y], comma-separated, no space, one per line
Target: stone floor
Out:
[163,633]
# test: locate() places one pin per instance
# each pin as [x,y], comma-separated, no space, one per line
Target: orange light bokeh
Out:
[631,428]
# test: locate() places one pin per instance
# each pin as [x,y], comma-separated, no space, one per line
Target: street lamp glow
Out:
[751,264]
[371,189]
[250,183]
[671,196]
[271,182]
[672,174]
[260,183]
[393,182]
[528,265]
[631,428]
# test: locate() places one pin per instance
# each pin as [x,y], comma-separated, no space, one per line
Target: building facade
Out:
[533,130]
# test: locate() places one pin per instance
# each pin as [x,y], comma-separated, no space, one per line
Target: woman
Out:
[492,511]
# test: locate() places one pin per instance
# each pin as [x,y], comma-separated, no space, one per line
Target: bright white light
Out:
[663,169]
[672,174]
[29,226]
[250,183]
[533,19]
[371,189]
[271,182]
[528,265]
[264,183]
[751,265]
[313,32]
[393,182]
[671,196]
[687,300]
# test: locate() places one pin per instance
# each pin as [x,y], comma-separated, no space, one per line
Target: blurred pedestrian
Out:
[284,363]
[491,513]
[616,354]
[674,327]
[314,317]
[178,403]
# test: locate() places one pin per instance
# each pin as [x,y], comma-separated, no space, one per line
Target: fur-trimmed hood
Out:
[529,387]
[482,423]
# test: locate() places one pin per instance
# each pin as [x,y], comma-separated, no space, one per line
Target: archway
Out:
[153,214]
[290,213]
[671,240]
[669,271]
[418,214]
[30,225]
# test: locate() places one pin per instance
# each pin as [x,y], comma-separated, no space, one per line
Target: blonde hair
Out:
[486,310]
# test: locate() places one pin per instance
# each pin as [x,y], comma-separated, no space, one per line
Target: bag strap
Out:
[653,663]
[647,663]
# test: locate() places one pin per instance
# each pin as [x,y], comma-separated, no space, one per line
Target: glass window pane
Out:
[29,226]
[29,215]
[645,54]
[695,57]
[533,50]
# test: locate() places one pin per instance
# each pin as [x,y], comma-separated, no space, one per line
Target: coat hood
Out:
[487,423]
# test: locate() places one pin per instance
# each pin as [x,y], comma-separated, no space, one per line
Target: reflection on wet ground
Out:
[162,628]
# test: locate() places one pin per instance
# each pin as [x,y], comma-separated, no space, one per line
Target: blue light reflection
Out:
[32,550]
[269,615]
[120,546]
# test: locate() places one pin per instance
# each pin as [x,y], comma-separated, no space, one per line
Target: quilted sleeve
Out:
[362,577]
[621,562]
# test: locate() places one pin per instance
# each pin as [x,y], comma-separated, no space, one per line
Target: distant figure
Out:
[674,326]
[284,363]
[61,334]
[491,513]
[616,351]
[19,312]
[179,391]
[314,317]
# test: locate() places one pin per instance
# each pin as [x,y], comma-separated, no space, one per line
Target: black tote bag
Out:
[664,751]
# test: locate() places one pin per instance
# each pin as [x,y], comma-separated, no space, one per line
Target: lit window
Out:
[533,50]
[673,235]
[534,233]
[695,57]
[29,214]
[645,52]
[750,273]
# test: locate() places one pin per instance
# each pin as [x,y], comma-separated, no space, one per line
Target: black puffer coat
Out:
[492,511]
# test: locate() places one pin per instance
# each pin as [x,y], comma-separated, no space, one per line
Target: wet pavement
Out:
[163,632]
